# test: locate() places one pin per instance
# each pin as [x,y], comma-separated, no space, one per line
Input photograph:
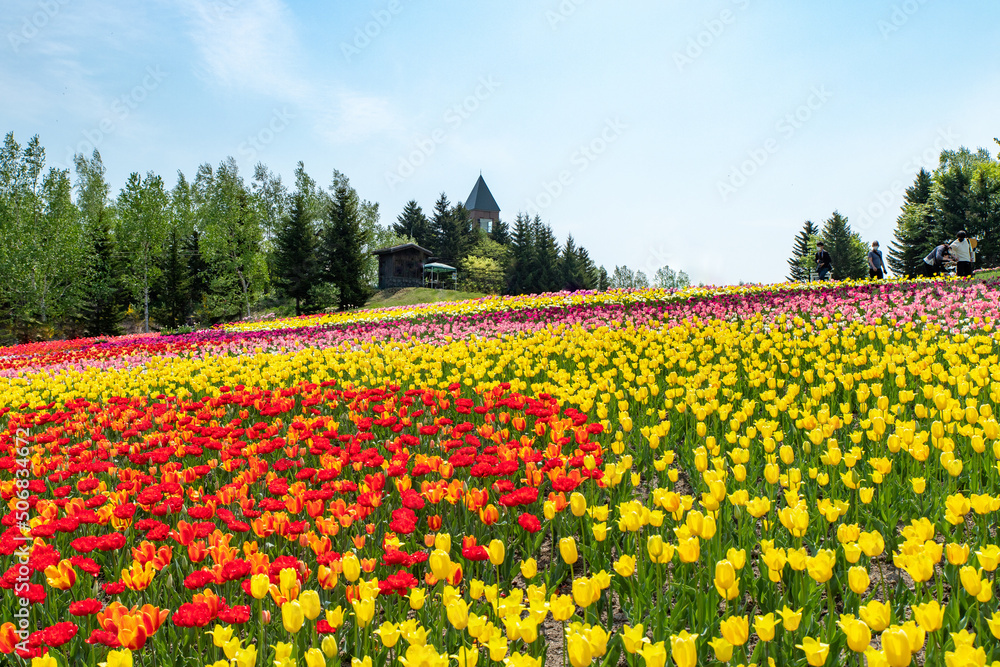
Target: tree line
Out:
[78,259]
[962,193]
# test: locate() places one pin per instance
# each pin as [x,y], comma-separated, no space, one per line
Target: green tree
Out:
[603,282]
[547,276]
[141,231]
[21,171]
[622,278]
[341,251]
[486,267]
[519,280]
[913,236]
[802,261]
[295,261]
[57,249]
[414,224]
[501,232]
[574,273]
[848,251]
[172,286]
[199,274]
[232,242]
[440,225]
[103,290]
[984,213]
[590,271]
[667,278]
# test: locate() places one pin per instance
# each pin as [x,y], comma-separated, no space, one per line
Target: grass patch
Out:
[993,274]
[411,296]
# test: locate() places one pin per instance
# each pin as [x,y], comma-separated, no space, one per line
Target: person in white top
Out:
[961,250]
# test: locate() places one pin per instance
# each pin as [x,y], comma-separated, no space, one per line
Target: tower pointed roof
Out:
[481,198]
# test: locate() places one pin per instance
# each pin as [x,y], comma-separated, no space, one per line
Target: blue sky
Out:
[699,135]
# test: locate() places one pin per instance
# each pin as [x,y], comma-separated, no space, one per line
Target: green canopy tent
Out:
[436,276]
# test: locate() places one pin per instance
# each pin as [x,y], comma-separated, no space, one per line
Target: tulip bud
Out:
[567,549]
[497,552]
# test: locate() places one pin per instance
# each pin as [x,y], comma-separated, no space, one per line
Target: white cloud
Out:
[252,46]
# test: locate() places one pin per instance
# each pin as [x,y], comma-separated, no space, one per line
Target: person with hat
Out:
[962,251]
[824,262]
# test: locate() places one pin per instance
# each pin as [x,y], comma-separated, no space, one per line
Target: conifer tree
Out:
[172,284]
[295,260]
[439,226]
[547,276]
[501,232]
[199,272]
[104,291]
[846,248]
[602,280]
[341,258]
[574,274]
[802,256]
[522,264]
[912,238]
[413,223]
[588,269]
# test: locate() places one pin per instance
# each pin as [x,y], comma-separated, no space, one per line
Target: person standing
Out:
[934,262]
[824,262]
[961,250]
[876,267]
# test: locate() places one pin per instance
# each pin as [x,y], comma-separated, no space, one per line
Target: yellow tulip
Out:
[625,565]
[529,568]
[736,630]
[815,650]
[352,567]
[292,616]
[896,646]
[764,626]
[859,635]
[790,619]
[315,658]
[497,552]
[877,615]
[723,649]
[858,579]
[634,638]
[310,604]
[579,650]
[567,549]
[683,650]
[930,615]
[259,585]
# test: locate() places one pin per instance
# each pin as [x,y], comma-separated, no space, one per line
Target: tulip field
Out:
[773,475]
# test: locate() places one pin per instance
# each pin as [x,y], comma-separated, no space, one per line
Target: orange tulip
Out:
[61,576]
